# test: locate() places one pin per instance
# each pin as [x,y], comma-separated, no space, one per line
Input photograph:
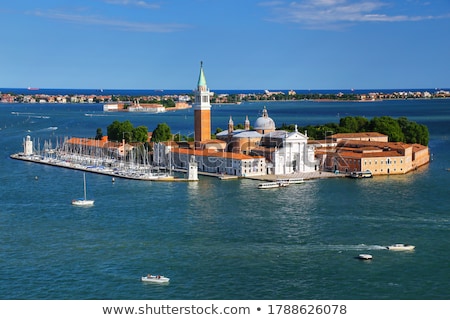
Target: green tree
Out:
[353,124]
[161,133]
[388,126]
[414,132]
[120,130]
[140,134]
[99,134]
[168,103]
[113,131]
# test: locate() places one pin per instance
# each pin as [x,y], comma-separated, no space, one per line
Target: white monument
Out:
[193,170]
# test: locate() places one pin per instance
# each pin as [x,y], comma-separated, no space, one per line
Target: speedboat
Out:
[400,247]
[365,256]
[155,279]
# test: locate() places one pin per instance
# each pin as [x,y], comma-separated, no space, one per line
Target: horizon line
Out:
[251,89]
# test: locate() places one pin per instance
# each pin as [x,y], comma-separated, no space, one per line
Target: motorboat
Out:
[360,174]
[400,247]
[268,185]
[273,184]
[155,279]
[365,256]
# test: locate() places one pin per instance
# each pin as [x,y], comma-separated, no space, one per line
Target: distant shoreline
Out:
[232,97]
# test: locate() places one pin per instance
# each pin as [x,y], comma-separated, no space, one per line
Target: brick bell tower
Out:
[202,111]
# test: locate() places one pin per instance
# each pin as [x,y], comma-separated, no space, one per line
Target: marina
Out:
[139,173]
[138,167]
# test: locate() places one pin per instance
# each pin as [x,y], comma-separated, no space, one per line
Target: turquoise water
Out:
[221,239]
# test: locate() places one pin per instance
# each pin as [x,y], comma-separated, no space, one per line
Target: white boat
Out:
[365,256]
[296,180]
[155,279]
[360,174]
[83,202]
[400,247]
[271,185]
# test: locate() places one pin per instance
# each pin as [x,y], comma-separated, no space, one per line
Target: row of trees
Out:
[117,131]
[398,130]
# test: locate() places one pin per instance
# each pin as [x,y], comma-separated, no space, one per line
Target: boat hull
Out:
[400,247]
[272,185]
[83,203]
[360,174]
[155,279]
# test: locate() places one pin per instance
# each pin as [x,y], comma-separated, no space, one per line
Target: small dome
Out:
[264,122]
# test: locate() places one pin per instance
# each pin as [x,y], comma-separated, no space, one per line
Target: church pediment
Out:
[296,136]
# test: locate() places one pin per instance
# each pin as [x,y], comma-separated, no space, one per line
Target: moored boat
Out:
[271,185]
[400,247]
[360,174]
[155,279]
[296,180]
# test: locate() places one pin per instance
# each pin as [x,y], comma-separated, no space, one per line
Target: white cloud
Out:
[136,3]
[334,14]
[111,23]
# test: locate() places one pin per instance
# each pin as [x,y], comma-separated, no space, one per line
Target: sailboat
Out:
[83,202]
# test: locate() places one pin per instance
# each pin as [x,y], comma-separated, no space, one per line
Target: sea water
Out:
[220,239]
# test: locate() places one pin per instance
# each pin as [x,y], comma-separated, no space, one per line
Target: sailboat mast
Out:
[84,178]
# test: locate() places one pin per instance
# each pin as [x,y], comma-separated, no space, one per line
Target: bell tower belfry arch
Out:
[202,111]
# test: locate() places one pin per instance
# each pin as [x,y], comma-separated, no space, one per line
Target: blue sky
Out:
[245,44]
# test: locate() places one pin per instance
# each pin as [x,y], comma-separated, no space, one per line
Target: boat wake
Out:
[45,129]
[30,115]
[345,247]
[95,115]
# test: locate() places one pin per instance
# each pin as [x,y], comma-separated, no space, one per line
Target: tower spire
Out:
[201,78]
[202,110]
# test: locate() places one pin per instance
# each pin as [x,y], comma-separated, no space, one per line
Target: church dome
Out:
[264,123]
